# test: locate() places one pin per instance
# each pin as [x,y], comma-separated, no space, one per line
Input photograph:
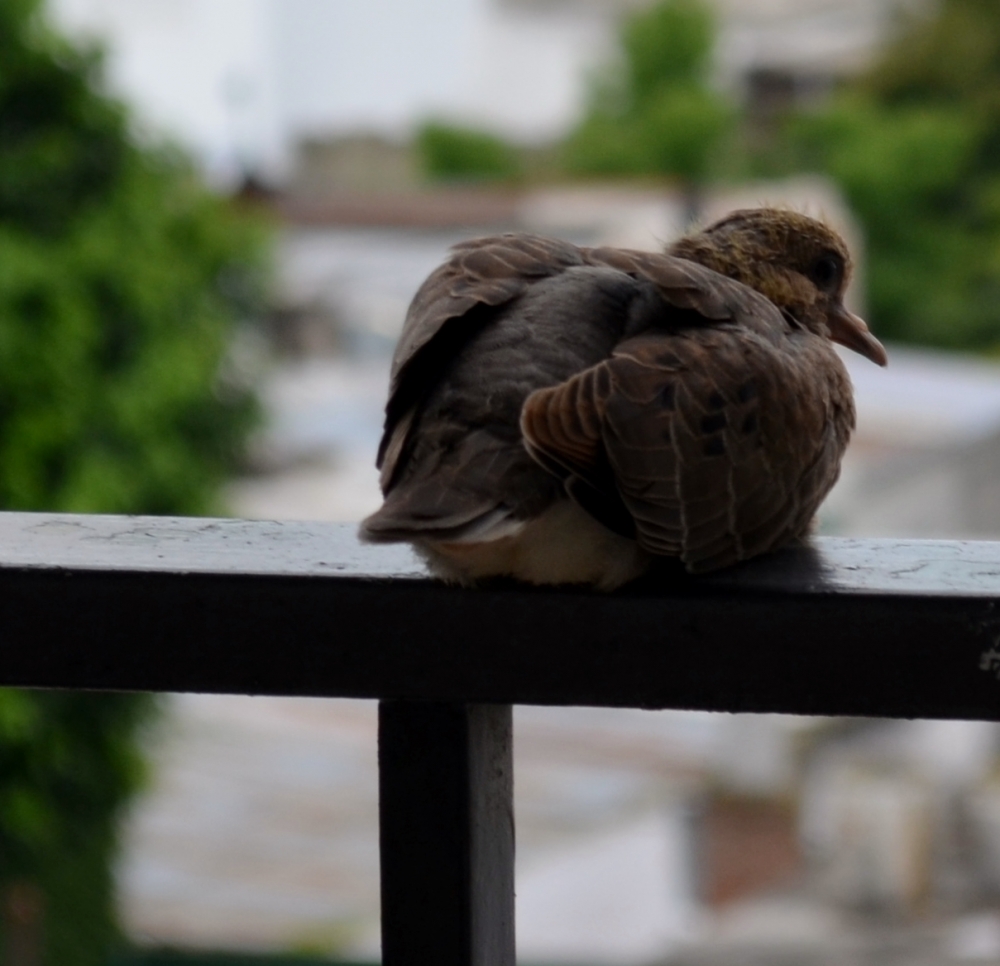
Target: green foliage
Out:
[451,153]
[69,764]
[112,338]
[60,147]
[915,145]
[655,114]
[667,45]
[673,134]
[943,58]
[121,282]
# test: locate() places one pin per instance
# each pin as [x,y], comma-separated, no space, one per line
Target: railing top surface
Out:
[197,545]
[176,545]
[863,627]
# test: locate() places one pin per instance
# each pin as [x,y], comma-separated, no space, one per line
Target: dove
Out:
[568,415]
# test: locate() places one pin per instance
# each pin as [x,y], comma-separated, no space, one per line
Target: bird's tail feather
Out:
[424,512]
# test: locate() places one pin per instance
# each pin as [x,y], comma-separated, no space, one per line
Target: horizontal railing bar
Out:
[63,541]
[860,627]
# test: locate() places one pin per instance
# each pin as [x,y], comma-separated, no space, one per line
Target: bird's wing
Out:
[683,284]
[482,271]
[720,442]
[488,273]
[447,310]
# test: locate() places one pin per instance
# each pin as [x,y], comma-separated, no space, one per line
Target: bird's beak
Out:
[847,329]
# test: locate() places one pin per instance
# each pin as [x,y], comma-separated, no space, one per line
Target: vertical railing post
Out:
[446,834]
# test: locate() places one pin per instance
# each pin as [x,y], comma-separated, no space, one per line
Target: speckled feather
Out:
[559,413]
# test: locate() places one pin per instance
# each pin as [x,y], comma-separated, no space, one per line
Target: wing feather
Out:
[487,273]
[447,310]
[484,271]
[695,428]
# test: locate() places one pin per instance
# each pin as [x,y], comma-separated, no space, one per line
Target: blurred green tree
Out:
[121,283]
[915,144]
[69,763]
[449,152]
[654,112]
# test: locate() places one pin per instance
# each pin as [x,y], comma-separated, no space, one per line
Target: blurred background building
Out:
[261,86]
[373,135]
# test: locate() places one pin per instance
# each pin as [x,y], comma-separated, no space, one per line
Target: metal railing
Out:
[846,627]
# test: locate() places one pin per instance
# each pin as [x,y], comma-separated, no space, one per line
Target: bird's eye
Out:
[827,271]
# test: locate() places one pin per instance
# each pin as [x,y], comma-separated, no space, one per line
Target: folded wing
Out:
[700,436]
[448,310]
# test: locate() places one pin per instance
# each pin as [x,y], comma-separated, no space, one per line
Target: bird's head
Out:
[798,263]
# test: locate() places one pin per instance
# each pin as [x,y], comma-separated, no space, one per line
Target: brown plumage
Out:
[565,415]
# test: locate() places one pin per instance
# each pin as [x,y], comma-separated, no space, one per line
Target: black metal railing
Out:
[847,627]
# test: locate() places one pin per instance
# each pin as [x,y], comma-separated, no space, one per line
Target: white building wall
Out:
[239,82]
[372,64]
[200,72]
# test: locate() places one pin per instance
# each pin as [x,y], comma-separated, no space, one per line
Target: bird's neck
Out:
[788,290]
[734,264]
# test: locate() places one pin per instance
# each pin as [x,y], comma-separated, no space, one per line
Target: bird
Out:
[560,414]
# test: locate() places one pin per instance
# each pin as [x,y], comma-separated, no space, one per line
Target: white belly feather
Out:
[564,545]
